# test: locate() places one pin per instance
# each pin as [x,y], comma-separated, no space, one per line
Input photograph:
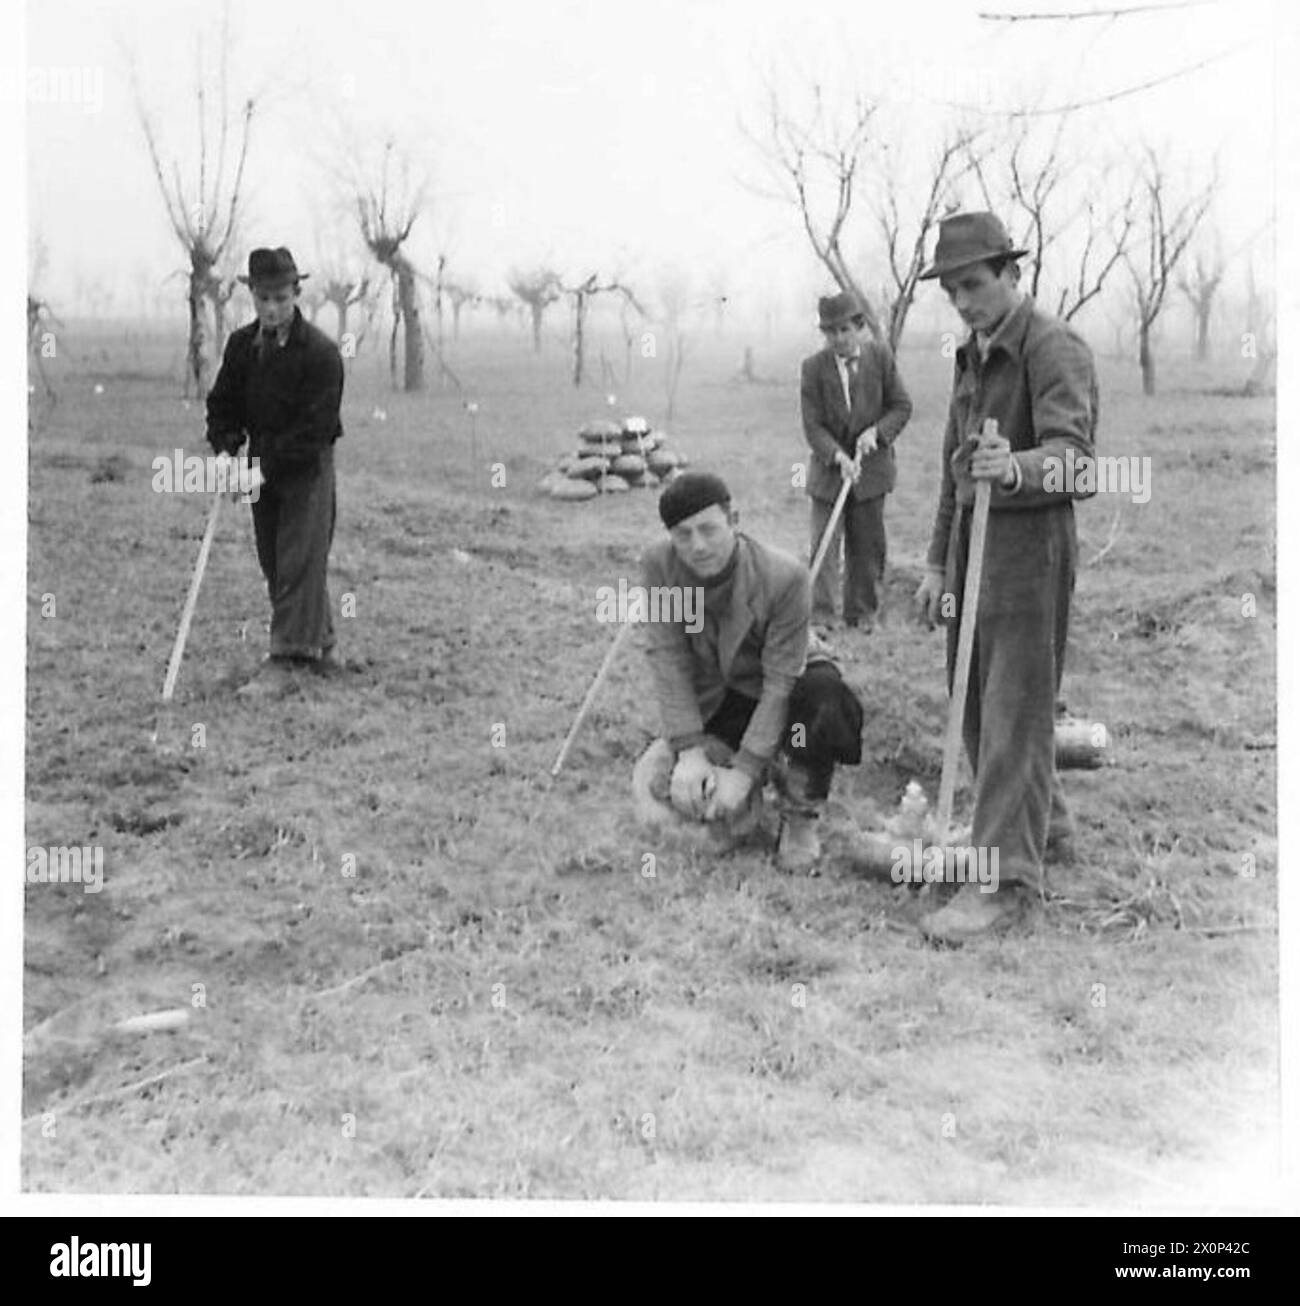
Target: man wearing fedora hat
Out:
[280,387]
[854,406]
[1034,375]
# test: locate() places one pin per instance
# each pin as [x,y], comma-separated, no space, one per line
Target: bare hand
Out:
[850,468]
[991,460]
[868,442]
[929,596]
[692,784]
[730,794]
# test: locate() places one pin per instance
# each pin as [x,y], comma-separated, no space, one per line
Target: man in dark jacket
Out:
[1035,376]
[854,407]
[280,385]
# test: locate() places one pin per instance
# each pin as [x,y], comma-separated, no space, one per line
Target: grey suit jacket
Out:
[879,399]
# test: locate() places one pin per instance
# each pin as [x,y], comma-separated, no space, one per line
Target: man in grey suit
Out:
[854,407]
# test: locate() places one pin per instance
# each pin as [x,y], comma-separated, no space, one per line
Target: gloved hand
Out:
[693,781]
[730,794]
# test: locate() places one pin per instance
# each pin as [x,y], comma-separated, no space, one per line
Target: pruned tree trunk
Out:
[386,221]
[194,346]
[1146,359]
[1202,332]
[413,340]
[579,342]
[437,299]
[204,219]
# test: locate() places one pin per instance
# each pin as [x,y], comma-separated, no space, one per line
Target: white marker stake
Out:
[829,533]
[191,600]
[610,655]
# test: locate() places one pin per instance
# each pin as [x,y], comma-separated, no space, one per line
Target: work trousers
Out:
[1022,623]
[293,523]
[862,530]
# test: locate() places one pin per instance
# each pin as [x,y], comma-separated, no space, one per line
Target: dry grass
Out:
[501,1003]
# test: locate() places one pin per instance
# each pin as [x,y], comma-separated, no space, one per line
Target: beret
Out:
[689,493]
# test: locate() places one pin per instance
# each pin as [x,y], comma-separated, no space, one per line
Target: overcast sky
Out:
[598,134]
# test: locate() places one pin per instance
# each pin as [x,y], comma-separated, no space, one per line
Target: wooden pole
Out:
[191,600]
[829,533]
[590,698]
[965,647]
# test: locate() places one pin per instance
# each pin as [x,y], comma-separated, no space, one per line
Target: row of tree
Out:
[868,197]
[1085,218]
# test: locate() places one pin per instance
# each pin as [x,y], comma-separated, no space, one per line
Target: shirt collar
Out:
[293,331]
[1009,336]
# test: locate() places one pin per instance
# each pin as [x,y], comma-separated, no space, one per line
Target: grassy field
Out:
[500,1002]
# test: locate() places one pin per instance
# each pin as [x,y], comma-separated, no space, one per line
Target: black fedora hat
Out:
[967,238]
[836,310]
[272,267]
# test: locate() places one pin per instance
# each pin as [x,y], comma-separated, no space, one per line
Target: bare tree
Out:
[539,288]
[439,294]
[387,209]
[1167,228]
[1108,230]
[906,240]
[1084,15]
[501,306]
[463,291]
[628,319]
[674,303]
[580,295]
[1200,288]
[815,160]
[221,290]
[1047,200]
[344,293]
[204,214]
[340,278]
[1260,341]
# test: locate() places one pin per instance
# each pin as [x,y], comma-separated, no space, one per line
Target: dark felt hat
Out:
[272,267]
[836,310]
[967,238]
[689,493]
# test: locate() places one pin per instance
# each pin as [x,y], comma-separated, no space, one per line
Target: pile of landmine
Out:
[613,457]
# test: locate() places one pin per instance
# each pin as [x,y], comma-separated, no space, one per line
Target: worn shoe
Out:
[329,664]
[973,914]
[799,848]
[275,678]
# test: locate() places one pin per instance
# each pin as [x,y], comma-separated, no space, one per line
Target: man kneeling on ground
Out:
[739,701]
